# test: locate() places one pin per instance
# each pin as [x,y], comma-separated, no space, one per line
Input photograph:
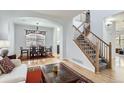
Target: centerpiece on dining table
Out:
[55,69]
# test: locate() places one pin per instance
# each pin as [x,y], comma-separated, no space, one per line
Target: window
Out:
[35,38]
[120,41]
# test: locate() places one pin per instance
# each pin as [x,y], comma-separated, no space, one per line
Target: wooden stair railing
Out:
[100,49]
[104,49]
[90,57]
[81,33]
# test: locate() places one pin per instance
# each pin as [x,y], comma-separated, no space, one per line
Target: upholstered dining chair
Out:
[49,51]
[41,50]
[33,51]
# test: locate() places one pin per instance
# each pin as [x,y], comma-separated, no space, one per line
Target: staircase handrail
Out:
[93,46]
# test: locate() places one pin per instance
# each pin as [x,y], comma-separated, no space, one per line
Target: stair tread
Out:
[85,46]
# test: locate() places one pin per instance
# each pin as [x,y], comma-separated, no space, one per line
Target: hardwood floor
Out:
[43,61]
[114,75]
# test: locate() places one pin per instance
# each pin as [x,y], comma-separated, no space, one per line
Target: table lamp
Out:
[4,44]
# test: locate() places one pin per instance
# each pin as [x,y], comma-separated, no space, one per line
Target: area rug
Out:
[34,75]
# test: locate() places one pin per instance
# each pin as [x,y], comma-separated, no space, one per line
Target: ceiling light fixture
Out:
[108,23]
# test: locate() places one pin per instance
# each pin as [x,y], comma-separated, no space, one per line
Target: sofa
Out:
[17,75]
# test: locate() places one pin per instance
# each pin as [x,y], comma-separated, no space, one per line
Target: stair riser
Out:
[88,50]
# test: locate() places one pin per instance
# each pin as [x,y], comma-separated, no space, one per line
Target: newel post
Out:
[97,69]
[110,55]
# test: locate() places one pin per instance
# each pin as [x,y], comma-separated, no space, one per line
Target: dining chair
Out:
[41,50]
[33,51]
[49,51]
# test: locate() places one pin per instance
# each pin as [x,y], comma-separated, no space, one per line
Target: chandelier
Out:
[37,28]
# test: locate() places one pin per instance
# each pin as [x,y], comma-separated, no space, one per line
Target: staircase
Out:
[96,50]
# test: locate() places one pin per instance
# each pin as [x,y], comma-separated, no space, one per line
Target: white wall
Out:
[11,38]
[20,36]
[97,19]
[58,36]
[110,35]
[5,34]
[3,29]
[61,37]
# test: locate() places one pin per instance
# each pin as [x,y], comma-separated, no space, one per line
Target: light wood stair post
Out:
[110,55]
[97,69]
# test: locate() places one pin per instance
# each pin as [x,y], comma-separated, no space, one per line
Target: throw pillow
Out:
[6,65]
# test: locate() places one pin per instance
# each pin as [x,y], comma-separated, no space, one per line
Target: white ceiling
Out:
[34,21]
[61,14]
[118,17]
